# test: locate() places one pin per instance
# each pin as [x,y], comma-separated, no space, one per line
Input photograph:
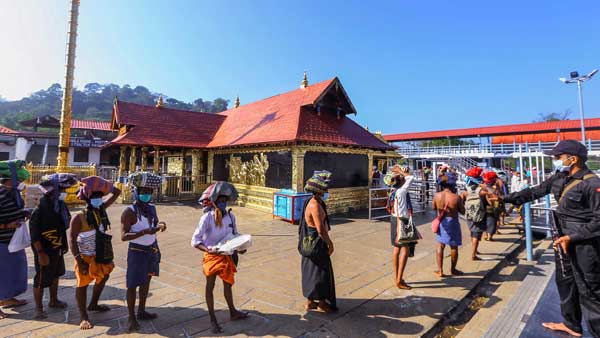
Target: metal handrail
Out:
[502,148]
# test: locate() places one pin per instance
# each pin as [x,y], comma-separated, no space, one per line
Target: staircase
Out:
[462,164]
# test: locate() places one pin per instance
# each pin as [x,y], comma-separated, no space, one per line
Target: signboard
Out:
[87,143]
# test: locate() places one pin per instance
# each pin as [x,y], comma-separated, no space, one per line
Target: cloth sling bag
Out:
[104,249]
[310,246]
[435,224]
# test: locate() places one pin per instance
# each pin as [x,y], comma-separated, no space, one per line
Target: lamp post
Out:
[574,77]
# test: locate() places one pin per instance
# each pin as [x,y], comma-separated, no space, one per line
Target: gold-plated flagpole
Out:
[65,115]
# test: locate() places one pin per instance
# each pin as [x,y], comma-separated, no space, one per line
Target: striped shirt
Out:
[9,212]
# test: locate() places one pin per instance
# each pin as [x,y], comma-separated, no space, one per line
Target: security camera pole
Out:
[575,78]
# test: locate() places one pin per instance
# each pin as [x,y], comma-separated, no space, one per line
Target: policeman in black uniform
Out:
[577,190]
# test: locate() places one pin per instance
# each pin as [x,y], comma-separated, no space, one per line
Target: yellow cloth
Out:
[221,265]
[96,272]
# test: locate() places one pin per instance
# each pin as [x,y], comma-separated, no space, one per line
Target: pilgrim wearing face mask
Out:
[217,225]
[13,265]
[48,228]
[577,190]
[399,180]
[91,245]
[139,225]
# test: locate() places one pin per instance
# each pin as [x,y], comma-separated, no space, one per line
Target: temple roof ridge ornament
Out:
[304,82]
[159,102]
[237,102]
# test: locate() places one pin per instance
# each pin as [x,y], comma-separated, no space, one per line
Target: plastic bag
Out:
[20,239]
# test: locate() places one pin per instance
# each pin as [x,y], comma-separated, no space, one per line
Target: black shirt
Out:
[47,227]
[579,209]
[9,212]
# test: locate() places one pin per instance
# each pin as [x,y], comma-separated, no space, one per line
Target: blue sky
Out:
[407,65]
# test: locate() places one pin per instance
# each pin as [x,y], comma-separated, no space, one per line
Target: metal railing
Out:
[38,171]
[483,149]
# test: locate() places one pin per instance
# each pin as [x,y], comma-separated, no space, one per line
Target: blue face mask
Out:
[96,202]
[325,196]
[145,198]
[221,205]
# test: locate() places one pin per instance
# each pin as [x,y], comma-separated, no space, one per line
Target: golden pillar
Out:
[65,114]
[370,168]
[197,170]
[122,160]
[180,183]
[298,169]
[210,164]
[156,164]
[144,163]
[132,159]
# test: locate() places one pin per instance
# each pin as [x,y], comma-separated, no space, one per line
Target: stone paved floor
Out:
[268,284]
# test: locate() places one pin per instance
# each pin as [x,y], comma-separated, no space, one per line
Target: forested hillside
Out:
[94,102]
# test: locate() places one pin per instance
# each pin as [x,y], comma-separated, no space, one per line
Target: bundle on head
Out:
[91,184]
[474,176]
[14,169]
[394,177]
[211,195]
[144,180]
[489,177]
[319,182]
[51,185]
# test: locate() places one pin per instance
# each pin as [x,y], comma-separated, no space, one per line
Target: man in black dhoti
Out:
[315,246]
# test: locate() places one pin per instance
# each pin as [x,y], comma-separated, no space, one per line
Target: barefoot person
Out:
[91,245]
[139,225]
[399,180]
[493,201]
[217,225]
[318,283]
[13,265]
[577,190]
[450,205]
[475,203]
[48,228]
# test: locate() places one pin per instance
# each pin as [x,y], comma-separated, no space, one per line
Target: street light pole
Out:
[579,86]
[575,78]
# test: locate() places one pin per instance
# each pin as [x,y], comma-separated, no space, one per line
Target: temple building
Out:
[261,147]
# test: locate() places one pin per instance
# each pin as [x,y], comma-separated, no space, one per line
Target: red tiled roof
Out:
[5,130]
[526,128]
[284,118]
[164,127]
[92,125]
[271,120]
[328,129]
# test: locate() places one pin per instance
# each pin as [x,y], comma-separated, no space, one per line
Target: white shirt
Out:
[141,225]
[209,234]
[515,183]
[400,199]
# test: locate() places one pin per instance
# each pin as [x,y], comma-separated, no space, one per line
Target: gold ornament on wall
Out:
[251,172]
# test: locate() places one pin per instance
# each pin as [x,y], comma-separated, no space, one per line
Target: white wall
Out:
[93,157]
[4,148]
[22,148]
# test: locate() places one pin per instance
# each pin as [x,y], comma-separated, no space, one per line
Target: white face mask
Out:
[560,166]
[21,186]
[62,196]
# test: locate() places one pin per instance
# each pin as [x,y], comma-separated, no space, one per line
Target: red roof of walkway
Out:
[511,129]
